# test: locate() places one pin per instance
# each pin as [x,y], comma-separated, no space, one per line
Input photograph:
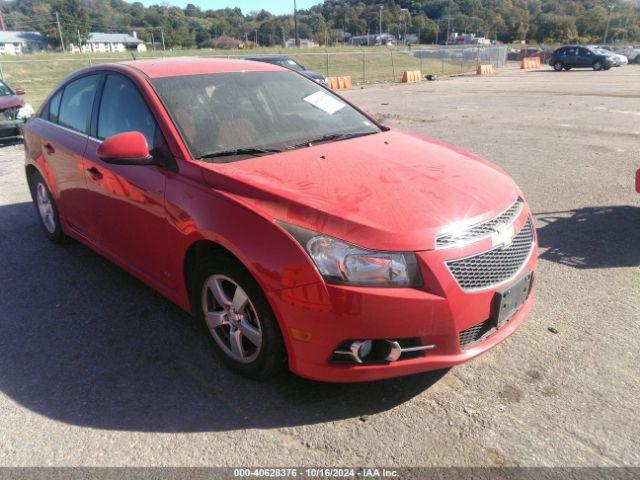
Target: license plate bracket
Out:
[508,301]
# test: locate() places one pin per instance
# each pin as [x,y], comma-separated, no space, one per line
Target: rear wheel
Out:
[46,208]
[243,330]
[558,66]
[597,65]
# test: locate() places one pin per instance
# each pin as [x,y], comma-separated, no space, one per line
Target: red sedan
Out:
[299,229]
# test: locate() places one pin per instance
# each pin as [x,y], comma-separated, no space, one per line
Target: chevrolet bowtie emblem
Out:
[503,235]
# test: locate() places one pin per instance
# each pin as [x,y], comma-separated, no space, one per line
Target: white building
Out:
[373,40]
[110,42]
[304,43]
[18,43]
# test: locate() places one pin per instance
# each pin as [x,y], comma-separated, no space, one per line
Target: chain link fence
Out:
[39,75]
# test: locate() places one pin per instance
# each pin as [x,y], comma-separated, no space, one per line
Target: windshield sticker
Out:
[325,102]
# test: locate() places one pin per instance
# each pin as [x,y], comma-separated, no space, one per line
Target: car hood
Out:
[9,101]
[392,190]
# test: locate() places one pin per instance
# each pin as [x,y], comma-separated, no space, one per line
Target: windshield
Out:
[4,90]
[271,111]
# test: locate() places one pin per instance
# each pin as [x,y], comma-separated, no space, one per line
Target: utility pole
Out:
[405,12]
[4,27]
[295,23]
[449,18]
[257,44]
[153,42]
[164,49]
[380,24]
[60,31]
[606,30]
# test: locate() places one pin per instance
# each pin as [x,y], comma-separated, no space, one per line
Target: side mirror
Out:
[20,91]
[127,148]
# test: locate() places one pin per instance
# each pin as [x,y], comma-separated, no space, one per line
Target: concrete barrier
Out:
[530,63]
[339,83]
[412,76]
[484,69]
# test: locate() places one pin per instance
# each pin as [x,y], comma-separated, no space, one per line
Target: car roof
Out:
[171,67]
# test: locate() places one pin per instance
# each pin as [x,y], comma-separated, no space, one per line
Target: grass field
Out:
[39,73]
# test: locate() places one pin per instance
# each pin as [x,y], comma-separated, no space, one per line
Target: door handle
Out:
[49,149]
[94,172]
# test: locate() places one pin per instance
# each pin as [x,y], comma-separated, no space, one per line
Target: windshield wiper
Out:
[328,138]
[251,151]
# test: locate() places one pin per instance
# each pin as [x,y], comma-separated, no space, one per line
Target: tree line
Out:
[333,21]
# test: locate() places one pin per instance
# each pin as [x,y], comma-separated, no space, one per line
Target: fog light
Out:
[360,349]
[395,350]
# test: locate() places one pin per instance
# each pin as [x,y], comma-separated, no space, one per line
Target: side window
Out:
[77,103]
[54,106]
[122,109]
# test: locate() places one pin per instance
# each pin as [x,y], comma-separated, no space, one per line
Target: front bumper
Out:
[11,128]
[435,314]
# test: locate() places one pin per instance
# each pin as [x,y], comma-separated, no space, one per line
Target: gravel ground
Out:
[97,369]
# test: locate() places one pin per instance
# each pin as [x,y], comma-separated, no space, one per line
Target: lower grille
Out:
[495,266]
[476,333]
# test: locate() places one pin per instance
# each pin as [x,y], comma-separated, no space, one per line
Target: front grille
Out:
[10,113]
[495,266]
[476,333]
[481,230]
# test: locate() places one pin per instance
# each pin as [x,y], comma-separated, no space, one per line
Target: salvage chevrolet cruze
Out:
[300,230]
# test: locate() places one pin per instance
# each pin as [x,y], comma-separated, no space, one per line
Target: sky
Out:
[273,6]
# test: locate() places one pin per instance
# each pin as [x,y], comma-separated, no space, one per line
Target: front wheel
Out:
[243,329]
[597,65]
[558,66]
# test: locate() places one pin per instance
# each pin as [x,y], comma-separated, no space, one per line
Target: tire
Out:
[597,65]
[234,329]
[558,66]
[606,68]
[46,208]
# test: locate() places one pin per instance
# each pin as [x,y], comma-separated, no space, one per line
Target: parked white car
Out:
[632,53]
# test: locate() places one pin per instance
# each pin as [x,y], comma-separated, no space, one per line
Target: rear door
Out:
[61,134]
[128,200]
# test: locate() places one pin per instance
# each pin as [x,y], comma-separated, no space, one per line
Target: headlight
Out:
[342,263]
[25,112]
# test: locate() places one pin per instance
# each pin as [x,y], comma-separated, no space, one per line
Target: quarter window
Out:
[54,107]
[77,103]
[122,109]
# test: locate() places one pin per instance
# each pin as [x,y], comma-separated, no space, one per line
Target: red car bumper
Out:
[328,315]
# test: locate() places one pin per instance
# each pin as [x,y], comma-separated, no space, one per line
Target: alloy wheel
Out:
[231,318]
[45,208]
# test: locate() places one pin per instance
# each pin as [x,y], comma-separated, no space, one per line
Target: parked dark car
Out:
[569,57]
[14,111]
[290,63]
